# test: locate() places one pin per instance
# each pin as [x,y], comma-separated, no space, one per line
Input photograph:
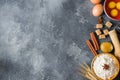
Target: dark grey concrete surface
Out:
[44,39]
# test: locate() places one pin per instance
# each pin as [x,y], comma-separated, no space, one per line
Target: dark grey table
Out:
[44,39]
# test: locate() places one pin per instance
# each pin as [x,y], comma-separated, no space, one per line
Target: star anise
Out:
[106,67]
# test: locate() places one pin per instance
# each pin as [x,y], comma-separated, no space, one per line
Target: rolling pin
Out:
[116,43]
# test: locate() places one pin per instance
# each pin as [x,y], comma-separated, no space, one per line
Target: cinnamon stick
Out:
[94,40]
[91,47]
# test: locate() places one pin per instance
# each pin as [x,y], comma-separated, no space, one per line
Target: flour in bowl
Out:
[104,66]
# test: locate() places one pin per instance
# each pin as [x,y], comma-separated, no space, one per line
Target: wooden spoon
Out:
[116,43]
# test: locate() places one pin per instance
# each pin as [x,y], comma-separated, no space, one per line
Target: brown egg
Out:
[97,10]
[95,1]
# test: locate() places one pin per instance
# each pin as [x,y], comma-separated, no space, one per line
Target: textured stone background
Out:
[44,39]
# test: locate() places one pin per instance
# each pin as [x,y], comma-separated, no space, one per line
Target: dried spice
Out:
[100,20]
[106,67]
[95,41]
[91,47]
